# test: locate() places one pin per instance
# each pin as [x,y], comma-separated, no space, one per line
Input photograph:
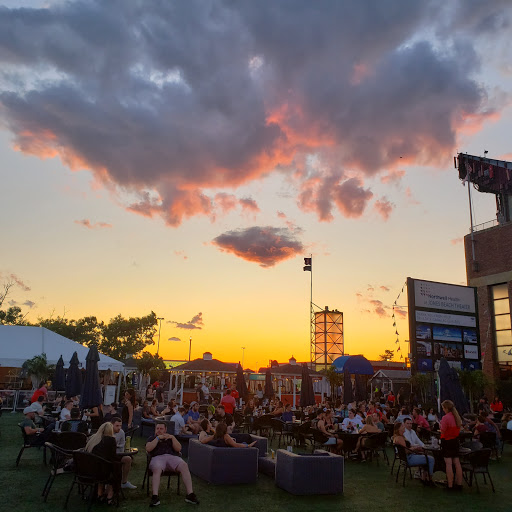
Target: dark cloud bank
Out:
[170,103]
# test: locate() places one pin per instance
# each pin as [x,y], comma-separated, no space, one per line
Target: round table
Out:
[130,452]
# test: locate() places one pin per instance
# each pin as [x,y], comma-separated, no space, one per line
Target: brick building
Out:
[489,268]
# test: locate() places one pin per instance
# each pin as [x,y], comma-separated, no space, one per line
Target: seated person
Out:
[481,426]
[249,408]
[103,444]
[192,418]
[279,409]
[112,413]
[170,409]
[351,423]
[65,414]
[368,428]
[146,410]
[222,439]
[223,416]
[287,415]
[419,420]
[180,428]
[324,425]
[38,407]
[414,454]
[377,422]
[35,436]
[206,429]
[165,450]
[506,420]
[411,435]
[154,411]
[75,424]
[126,460]
[404,413]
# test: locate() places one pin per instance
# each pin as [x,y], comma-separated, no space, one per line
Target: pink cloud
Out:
[249,204]
[195,323]
[456,241]
[384,207]
[181,254]
[86,223]
[264,245]
[20,283]
[394,176]
[384,288]
[410,198]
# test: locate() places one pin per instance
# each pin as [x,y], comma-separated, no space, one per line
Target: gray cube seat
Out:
[220,466]
[317,473]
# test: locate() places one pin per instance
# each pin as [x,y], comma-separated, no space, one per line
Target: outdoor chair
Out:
[59,465]
[220,465]
[376,444]
[69,441]
[488,440]
[26,444]
[131,431]
[472,445]
[477,464]
[319,440]
[148,473]
[506,437]
[91,471]
[302,474]
[302,434]
[349,442]
[404,463]
[262,425]
[424,434]
[279,430]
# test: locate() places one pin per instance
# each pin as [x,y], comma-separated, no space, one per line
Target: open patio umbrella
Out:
[348,395]
[240,383]
[59,379]
[450,387]
[307,394]
[91,392]
[269,390]
[74,378]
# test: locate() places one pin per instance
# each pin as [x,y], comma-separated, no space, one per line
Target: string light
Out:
[395,305]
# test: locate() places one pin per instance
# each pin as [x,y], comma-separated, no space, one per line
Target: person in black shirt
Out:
[223,416]
[75,424]
[103,444]
[164,449]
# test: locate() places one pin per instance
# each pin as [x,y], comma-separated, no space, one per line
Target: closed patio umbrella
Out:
[307,394]
[269,390]
[348,395]
[360,388]
[450,387]
[59,380]
[91,392]
[74,378]
[240,383]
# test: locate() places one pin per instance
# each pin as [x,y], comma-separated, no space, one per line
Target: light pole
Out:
[159,329]
[189,348]
[243,352]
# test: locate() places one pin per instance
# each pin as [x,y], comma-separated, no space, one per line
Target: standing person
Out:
[400,397]
[496,405]
[41,391]
[259,393]
[206,392]
[129,407]
[391,399]
[160,393]
[200,393]
[228,402]
[450,430]
[164,449]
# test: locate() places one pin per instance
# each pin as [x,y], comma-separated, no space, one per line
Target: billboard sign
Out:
[443,322]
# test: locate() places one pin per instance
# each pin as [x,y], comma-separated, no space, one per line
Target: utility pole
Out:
[189,348]
[243,352]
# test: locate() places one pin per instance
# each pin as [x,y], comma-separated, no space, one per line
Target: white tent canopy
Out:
[19,343]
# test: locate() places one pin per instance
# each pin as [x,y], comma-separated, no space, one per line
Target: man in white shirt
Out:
[126,460]
[411,435]
[206,392]
[404,414]
[65,414]
[179,422]
[352,422]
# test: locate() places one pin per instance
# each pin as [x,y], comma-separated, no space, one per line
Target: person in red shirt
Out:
[234,392]
[42,391]
[419,419]
[496,405]
[450,430]
[228,402]
[391,399]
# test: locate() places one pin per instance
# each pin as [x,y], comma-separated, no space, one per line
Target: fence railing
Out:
[485,225]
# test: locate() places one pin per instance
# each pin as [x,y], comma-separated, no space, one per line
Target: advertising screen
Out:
[443,322]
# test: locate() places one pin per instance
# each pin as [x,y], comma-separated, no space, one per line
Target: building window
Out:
[501,322]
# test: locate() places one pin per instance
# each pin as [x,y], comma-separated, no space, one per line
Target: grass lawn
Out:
[366,487]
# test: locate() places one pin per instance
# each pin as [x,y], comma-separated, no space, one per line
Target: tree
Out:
[38,369]
[334,379]
[124,336]
[147,362]
[474,382]
[388,355]
[12,315]
[87,330]
[421,383]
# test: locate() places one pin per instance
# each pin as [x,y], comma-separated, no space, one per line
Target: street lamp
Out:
[159,329]
[189,348]
[243,352]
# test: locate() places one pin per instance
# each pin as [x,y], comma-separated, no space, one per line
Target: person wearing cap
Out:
[35,436]
[192,418]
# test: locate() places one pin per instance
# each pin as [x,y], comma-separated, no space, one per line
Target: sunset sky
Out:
[184,158]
